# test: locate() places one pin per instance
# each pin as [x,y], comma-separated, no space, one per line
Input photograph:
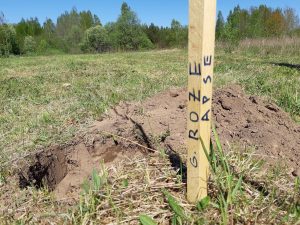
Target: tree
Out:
[49,29]
[127,31]
[88,20]
[244,24]
[29,45]
[178,34]
[258,18]
[125,9]
[70,27]
[8,41]
[231,29]
[220,26]
[43,46]
[95,40]
[68,30]
[291,19]
[275,24]
[153,33]
[29,27]
[239,20]
[97,20]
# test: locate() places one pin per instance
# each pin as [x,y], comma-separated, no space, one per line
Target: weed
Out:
[90,198]
[146,220]
[180,215]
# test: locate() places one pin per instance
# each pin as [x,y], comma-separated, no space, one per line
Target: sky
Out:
[160,12]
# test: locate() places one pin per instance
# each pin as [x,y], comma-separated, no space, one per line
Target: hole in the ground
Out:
[60,169]
[46,169]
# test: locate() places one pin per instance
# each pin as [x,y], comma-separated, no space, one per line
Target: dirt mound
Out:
[252,122]
[140,128]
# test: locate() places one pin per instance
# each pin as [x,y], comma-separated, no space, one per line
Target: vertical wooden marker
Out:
[201,60]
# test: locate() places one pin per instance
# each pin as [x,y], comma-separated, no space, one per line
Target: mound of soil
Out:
[139,128]
[251,122]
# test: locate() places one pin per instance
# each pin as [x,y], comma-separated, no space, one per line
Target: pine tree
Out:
[220,26]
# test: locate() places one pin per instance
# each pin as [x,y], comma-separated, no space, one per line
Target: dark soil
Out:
[139,128]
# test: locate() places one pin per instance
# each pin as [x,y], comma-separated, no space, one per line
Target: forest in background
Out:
[83,32]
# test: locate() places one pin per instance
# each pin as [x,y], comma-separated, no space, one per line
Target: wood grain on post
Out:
[202,24]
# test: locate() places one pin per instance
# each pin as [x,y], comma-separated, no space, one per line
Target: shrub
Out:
[8,43]
[29,45]
[95,40]
[43,46]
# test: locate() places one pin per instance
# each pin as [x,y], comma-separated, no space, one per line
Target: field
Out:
[50,100]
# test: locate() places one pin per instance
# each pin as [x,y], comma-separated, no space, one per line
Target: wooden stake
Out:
[201,61]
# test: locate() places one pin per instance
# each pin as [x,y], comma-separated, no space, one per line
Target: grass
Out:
[143,188]
[147,189]
[49,99]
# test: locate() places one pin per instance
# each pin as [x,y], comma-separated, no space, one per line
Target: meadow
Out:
[47,100]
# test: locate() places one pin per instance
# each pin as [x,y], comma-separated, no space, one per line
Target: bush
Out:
[29,45]
[144,42]
[8,43]
[43,46]
[95,40]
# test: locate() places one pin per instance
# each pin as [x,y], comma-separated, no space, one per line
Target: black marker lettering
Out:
[192,135]
[207,60]
[206,117]
[197,71]
[194,117]
[208,78]
[194,161]
[193,95]
[205,100]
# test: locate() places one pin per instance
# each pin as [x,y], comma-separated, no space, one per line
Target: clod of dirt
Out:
[137,128]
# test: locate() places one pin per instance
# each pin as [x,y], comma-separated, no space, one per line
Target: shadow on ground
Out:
[288,65]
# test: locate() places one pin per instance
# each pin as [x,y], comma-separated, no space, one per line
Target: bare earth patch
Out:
[137,130]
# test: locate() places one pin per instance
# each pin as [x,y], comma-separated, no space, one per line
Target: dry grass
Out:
[121,193]
[279,42]
[266,46]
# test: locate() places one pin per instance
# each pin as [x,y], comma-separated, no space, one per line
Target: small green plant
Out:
[226,181]
[180,215]
[146,220]
[2,179]
[3,175]
[90,197]
[203,204]
[294,211]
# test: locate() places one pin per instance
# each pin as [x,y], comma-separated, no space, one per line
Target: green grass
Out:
[38,109]
[259,75]
[49,99]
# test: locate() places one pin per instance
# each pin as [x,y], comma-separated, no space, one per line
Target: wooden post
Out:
[201,60]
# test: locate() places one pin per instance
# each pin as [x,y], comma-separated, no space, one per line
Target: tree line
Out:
[77,32]
[257,22]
